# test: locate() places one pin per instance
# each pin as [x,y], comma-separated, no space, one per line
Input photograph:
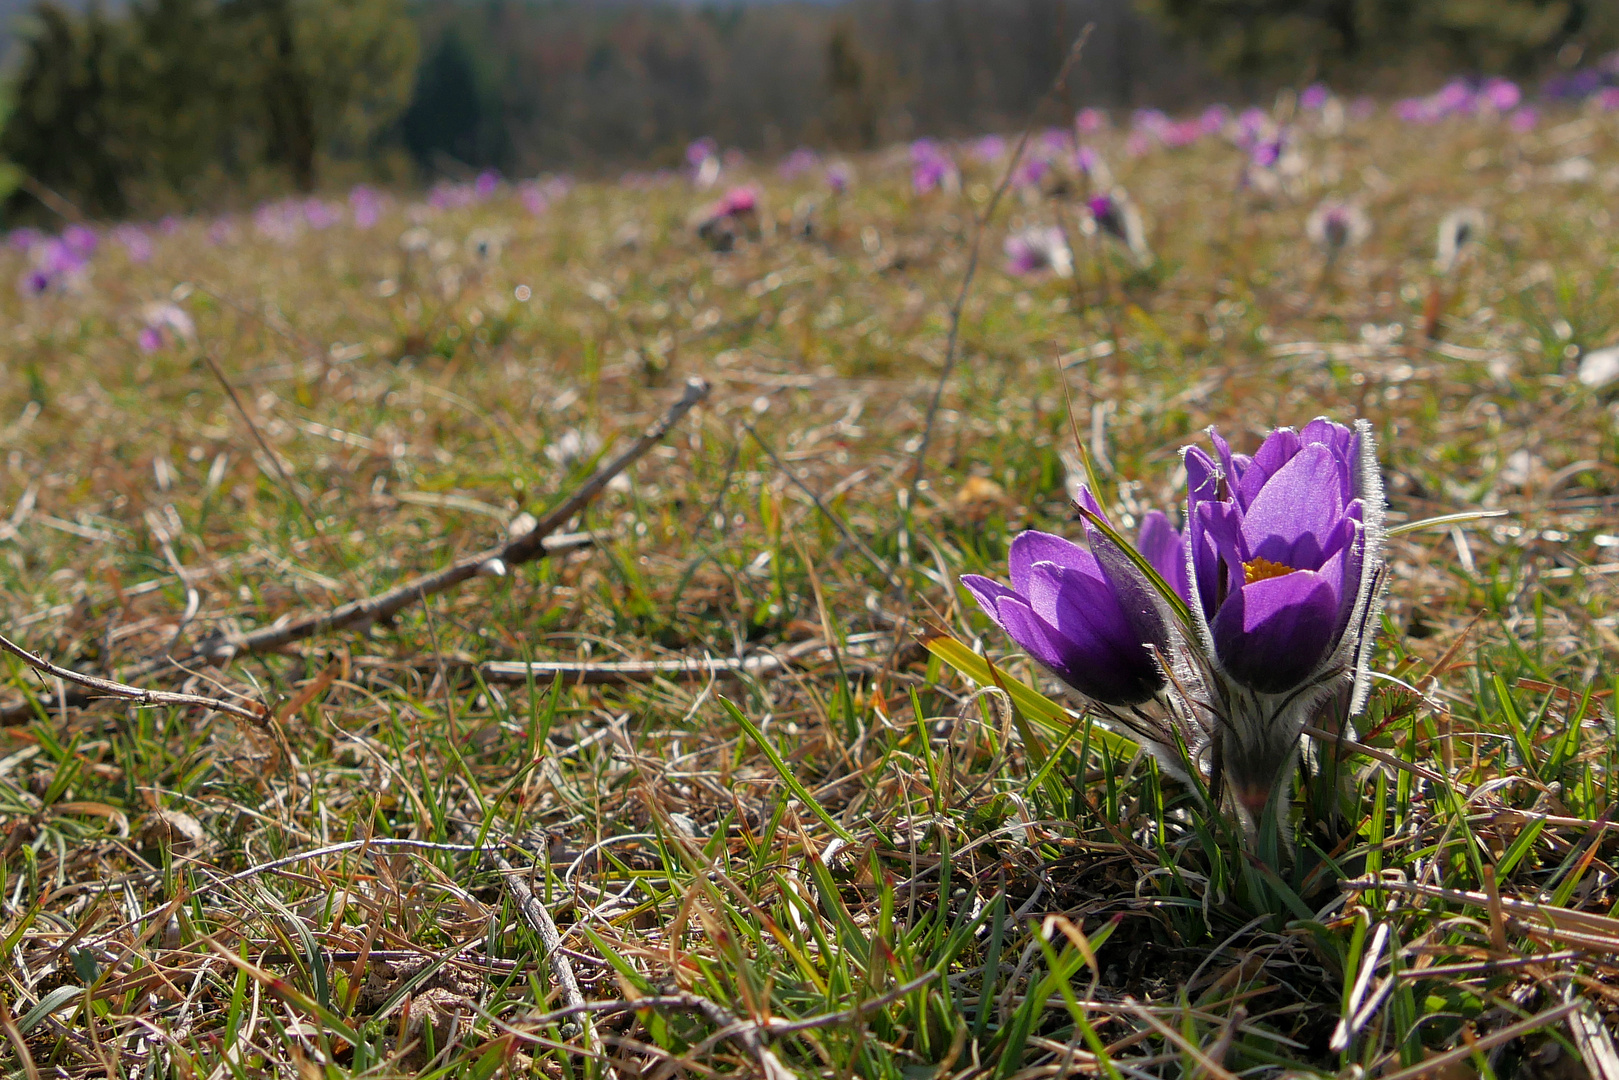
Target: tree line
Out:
[170,103]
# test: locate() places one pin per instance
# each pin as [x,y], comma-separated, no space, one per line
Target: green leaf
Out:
[1445,519]
[794,784]
[1031,702]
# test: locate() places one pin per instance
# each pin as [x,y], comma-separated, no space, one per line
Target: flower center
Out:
[1263,569]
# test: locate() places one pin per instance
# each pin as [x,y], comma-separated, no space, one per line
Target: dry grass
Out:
[907,883]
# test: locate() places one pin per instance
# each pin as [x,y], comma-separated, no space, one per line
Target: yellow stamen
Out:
[1262,569]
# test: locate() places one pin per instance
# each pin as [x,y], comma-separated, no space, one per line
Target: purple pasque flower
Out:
[1113,214]
[1336,225]
[1030,172]
[164,324]
[81,240]
[1037,249]
[1085,614]
[365,203]
[1286,565]
[931,167]
[136,241]
[1502,95]
[797,163]
[989,149]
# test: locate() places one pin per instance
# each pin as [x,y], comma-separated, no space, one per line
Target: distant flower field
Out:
[736,764]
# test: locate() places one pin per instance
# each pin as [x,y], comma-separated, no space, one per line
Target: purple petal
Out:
[1271,635]
[1202,476]
[1138,600]
[1108,657]
[1279,448]
[1344,443]
[988,593]
[1303,498]
[1222,542]
[1164,548]
[1032,546]
[1236,467]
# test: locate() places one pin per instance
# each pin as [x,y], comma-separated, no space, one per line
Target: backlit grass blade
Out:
[794,785]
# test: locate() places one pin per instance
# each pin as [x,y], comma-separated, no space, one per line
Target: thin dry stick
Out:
[619,672]
[18,712]
[540,921]
[838,523]
[954,335]
[124,690]
[275,461]
[526,548]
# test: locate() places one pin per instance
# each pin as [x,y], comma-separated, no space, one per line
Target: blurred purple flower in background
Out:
[81,240]
[1336,226]
[797,163]
[164,325]
[1114,215]
[839,177]
[1214,119]
[365,203]
[136,241]
[1030,172]
[1038,249]
[703,159]
[57,263]
[1089,121]
[1523,119]
[532,195]
[319,214]
[931,167]
[24,238]
[1502,95]
[486,185]
[1314,97]
[280,221]
[700,150]
[989,149]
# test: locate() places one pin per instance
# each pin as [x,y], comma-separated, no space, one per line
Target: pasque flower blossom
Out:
[1285,553]
[1091,620]
[1278,577]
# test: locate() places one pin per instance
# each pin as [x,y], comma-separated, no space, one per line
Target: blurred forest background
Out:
[148,106]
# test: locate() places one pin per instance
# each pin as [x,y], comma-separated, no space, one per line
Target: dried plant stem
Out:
[535,544]
[137,694]
[953,338]
[526,548]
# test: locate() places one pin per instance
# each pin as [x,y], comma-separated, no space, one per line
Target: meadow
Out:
[695,791]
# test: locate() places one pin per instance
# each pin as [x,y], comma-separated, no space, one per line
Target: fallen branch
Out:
[137,694]
[616,672]
[540,921]
[535,544]
[494,562]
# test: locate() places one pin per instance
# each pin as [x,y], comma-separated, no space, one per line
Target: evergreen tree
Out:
[446,111]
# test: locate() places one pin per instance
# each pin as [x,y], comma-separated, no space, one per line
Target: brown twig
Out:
[530,546]
[535,544]
[618,672]
[124,690]
[539,920]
